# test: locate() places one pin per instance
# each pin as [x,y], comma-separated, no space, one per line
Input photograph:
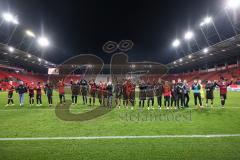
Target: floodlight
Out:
[30,33]
[15,21]
[207,20]
[39,59]
[190,56]
[11,49]
[29,56]
[189,35]
[176,43]
[8,17]
[181,60]
[43,41]
[233,4]
[205,50]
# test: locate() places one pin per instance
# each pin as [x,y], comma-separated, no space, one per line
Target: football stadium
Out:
[119,79]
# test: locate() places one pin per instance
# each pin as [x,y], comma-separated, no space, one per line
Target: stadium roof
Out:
[21,57]
[220,52]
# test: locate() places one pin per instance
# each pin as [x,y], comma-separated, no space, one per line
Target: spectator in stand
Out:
[31,88]
[39,94]
[48,89]
[223,85]
[21,90]
[61,90]
[10,89]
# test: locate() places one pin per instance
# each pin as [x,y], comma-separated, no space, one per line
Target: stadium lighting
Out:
[29,56]
[208,20]
[176,43]
[181,60]
[15,21]
[11,49]
[205,50]
[30,33]
[190,56]
[43,42]
[39,59]
[188,35]
[174,62]
[8,17]
[233,4]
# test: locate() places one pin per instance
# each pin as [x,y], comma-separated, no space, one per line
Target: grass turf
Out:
[42,122]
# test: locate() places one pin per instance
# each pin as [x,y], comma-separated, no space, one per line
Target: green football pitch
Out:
[37,133]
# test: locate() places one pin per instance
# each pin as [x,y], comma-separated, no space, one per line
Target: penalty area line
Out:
[121,137]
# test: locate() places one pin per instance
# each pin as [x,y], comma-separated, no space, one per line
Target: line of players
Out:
[169,94]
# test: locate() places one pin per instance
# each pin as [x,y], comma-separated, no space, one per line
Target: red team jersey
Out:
[10,89]
[31,89]
[167,91]
[93,88]
[223,87]
[61,88]
[39,89]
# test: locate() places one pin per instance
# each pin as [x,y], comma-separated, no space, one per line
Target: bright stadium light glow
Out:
[176,43]
[15,21]
[190,56]
[8,17]
[189,35]
[208,20]
[174,62]
[30,33]
[39,59]
[29,56]
[202,24]
[232,4]
[205,50]
[11,49]
[181,60]
[43,42]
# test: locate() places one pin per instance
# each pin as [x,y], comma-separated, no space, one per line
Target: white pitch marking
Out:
[121,137]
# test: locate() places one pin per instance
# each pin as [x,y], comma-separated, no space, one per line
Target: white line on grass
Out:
[121,137]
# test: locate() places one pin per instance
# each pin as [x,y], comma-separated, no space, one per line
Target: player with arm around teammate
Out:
[223,85]
[210,92]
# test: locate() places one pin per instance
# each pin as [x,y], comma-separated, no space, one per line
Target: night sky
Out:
[83,26]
